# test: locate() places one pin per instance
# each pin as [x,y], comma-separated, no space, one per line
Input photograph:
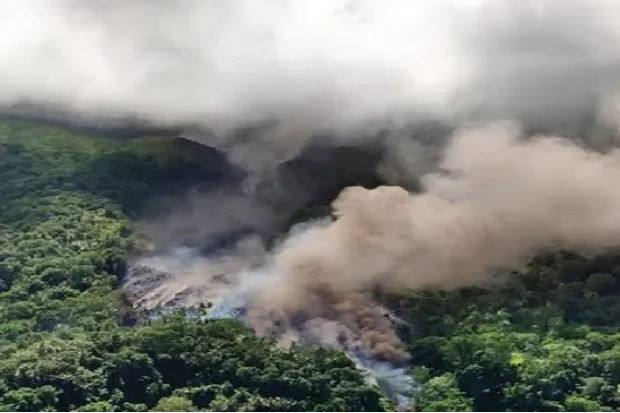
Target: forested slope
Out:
[548,339]
[67,339]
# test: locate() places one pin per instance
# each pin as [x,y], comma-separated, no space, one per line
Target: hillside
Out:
[68,341]
[546,340]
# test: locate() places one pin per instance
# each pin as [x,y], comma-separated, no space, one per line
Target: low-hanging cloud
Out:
[347,68]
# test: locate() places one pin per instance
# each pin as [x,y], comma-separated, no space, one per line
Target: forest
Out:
[545,339]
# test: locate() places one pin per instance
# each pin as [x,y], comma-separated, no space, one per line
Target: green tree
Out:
[442,394]
[175,404]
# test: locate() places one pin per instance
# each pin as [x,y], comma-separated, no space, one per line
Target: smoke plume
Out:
[497,198]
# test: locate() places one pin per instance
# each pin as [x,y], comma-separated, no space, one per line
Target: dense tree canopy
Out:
[547,339]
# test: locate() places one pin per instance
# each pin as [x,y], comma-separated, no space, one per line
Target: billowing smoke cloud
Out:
[498,199]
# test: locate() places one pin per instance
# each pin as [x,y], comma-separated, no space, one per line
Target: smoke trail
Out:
[184,277]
